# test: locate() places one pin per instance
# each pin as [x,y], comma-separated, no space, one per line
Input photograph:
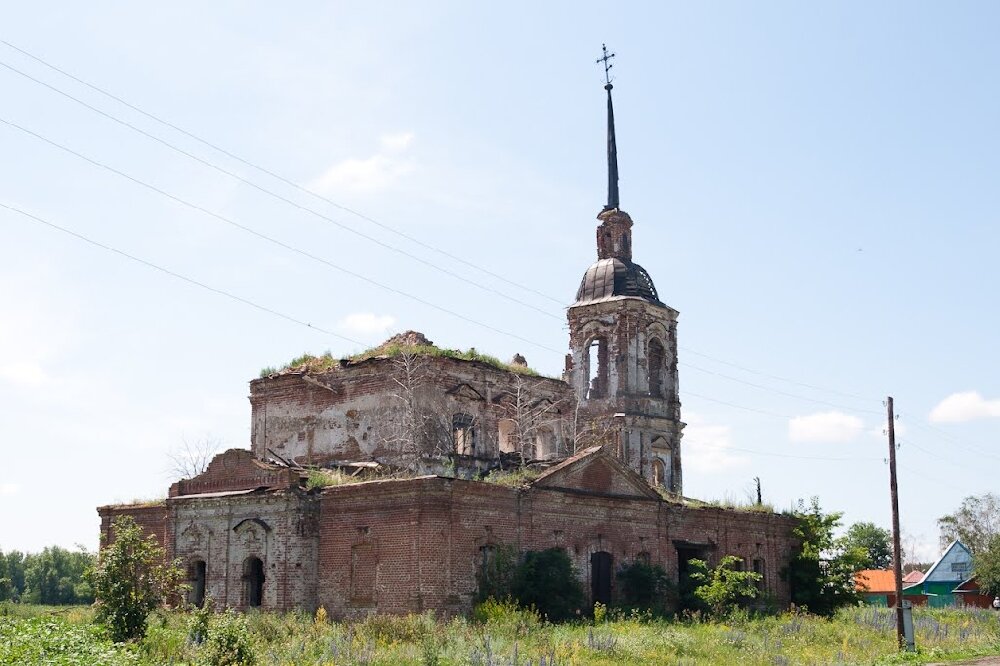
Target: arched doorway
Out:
[600,577]
[198,571]
[253,577]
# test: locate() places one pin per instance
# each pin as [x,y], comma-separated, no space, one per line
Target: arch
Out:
[253,582]
[545,444]
[597,368]
[659,472]
[600,577]
[197,573]
[507,435]
[655,358]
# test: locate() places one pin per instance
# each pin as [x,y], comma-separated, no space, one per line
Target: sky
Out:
[813,187]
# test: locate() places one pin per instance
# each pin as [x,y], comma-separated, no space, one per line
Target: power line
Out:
[281,198]
[371,220]
[784,455]
[277,176]
[733,404]
[777,377]
[777,391]
[277,242]
[174,274]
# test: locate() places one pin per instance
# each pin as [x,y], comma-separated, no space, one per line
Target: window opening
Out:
[463,432]
[654,364]
[597,367]
[506,435]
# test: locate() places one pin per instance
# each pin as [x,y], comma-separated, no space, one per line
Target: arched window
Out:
[654,364]
[197,576]
[507,436]
[659,473]
[463,432]
[597,368]
[253,581]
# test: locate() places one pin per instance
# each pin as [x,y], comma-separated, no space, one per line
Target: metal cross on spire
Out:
[606,59]
[612,145]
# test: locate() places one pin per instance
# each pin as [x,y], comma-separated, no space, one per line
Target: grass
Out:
[520,477]
[326,361]
[43,635]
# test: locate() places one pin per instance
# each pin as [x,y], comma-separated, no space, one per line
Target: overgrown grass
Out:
[504,635]
[520,477]
[324,478]
[327,361]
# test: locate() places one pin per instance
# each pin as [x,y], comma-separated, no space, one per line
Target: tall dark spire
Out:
[612,145]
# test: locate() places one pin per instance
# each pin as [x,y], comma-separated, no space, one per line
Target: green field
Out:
[61,635]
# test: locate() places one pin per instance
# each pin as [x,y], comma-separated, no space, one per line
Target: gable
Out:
[954,566]
[596,473]
[235,469]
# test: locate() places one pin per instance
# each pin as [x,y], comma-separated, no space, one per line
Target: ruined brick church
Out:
[385,482]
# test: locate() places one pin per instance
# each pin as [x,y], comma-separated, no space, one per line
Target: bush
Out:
[130,580]
[724,588]
[545,580]
[229,642]
[507,617]
[647,587]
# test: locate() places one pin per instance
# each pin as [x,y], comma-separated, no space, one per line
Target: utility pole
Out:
[896,555]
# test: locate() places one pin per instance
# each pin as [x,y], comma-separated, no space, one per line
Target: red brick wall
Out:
[152,518]
[424,536]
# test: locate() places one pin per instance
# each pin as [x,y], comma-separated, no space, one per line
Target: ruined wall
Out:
[279,528]
[651,432]
[359,412]
[153,518]
[408,546]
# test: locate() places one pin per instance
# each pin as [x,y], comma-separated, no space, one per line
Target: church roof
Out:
[616,277]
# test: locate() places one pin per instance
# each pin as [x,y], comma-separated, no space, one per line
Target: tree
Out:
[647,587]
[131,579]
[821,572]
[190,459]
[11,575]
[530,418]
[975,523]
[875,541]
[986,565]
[57,576]
[726,586]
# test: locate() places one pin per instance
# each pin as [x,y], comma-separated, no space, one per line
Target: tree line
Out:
[55,576]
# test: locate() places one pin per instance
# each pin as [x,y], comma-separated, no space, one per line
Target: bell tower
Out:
[623,347]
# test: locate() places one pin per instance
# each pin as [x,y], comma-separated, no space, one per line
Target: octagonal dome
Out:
[615,277]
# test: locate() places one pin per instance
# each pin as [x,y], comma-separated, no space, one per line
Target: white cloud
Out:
[825,427]
[707,446]
[370,174]
[965,406]
[396,143]
[23,373]
[366,323]
[7,489]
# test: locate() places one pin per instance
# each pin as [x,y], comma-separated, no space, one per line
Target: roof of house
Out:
[955,553]
[875,581]
[914,576]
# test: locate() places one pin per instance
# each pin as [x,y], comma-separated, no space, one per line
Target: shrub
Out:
[647,587]
[229,642]
[496,575]
[546,581]
[505,616]
[724,588]
[130,580]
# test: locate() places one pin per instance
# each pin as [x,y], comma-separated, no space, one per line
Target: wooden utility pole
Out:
[897,563]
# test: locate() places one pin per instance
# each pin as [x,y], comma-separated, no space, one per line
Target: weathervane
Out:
[612,144]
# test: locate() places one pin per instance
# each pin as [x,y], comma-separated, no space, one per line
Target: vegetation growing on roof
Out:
[308,363]
[514,478]
[324,478]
